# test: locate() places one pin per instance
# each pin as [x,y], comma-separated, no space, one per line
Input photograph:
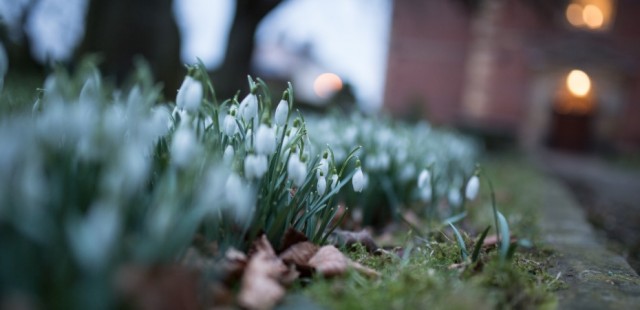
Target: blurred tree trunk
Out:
[231,76]
[121,30]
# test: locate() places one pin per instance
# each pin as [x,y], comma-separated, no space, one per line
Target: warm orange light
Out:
[575,14]
[578,83]
[593,16]
[327,84]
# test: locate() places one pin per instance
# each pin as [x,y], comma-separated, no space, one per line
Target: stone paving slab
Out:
[596,277]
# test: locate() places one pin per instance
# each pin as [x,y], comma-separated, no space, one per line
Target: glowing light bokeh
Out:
[327,84]
[593,16]
[575,14]
[578,83]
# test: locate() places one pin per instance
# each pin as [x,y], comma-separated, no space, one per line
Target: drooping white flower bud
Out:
[248,139]
[296,169]
[282,111]
[228,154]
[334,180]
[473,186]
[230,125]
[323,167]
[255,166]
[322,185]
[358,180]
[249,107]
[454,197]
[424,185]
[190,94]
[183,146]
[265,141]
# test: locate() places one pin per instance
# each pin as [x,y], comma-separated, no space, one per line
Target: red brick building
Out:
[503,65]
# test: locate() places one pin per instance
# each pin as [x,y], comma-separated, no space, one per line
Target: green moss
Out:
[427,278]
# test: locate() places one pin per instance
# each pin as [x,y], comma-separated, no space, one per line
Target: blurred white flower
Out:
[265,141]
[228,154]
[190,94]
[424,185]
[183,147]
[282,111]
[424,179]
[255,166]
[454,197]
[473,186]
[92,238]
[249,107]
[334,181]
[358,180]
[158,122]
[248,139]
[322,185]
[296,169]
[230,125]
[238,198]
[323,167]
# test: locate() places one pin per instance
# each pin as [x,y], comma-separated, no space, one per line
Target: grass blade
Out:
[506,236]
[461,244]
[478,246]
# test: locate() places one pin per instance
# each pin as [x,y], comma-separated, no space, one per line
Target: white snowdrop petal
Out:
[190,94]
[473,186]
[265,141]
[424,179]
[322,185]
[282,111]
[249,107]
[358,180]
[229,153]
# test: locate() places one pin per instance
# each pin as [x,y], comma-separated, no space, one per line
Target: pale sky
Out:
[350,37]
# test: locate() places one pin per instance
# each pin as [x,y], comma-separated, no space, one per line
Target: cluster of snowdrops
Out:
[97,177]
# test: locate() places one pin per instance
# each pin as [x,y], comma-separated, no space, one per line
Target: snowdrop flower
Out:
[322,184]
[237,198]
[255,166]
[158,122]
[249,107]
[228,154]
[282,111]
[183,146]
[424,185]
[93,237]
[265,141]
[323,166]
[424,179]
[454,197]
[358,180]
[472,188]
[296,169]
[230,125]
[248,139]
[190,94]
[334,179]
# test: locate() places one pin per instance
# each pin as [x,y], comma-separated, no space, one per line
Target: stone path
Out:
[596,277]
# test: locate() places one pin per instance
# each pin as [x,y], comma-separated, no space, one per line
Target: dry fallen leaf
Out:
[493,240]
[261,287]
[299,254]
[329,262]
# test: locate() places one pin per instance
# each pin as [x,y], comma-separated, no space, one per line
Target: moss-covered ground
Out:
[428,273]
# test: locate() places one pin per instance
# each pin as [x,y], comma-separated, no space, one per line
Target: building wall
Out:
[426,59]
[433,61]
